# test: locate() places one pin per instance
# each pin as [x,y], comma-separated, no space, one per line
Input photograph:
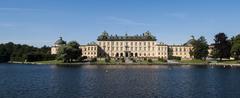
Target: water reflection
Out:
[91,81]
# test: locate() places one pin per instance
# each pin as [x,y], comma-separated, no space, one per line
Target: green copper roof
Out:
[143,37]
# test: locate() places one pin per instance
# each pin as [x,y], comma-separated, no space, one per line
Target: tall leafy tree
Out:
[235,51]
[69,52]
[200,48]
[222,46]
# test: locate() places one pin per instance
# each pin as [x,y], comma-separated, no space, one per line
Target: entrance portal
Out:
[126,54]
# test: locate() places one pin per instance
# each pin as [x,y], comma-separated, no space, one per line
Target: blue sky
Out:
[39,22]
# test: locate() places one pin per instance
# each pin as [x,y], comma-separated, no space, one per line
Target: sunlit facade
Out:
[138,46]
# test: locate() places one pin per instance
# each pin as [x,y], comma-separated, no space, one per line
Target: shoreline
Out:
[88,63]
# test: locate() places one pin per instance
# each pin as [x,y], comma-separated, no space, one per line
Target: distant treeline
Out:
[17,52]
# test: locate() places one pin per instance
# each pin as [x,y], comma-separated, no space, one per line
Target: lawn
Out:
[229,62]
[194,61]
[48,62]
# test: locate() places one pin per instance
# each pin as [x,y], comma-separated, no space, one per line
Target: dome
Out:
[60,41]
[148,33]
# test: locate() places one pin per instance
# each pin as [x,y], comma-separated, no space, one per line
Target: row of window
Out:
[162,48]
[128,48]
[162,53]
[180,53]
[90,48]
[126,43]
[90,53]
[140,54]
[181,49]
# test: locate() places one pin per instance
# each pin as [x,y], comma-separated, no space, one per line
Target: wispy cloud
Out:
[124,21]
[19,9]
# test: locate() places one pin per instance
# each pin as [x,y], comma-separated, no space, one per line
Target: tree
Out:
[170,53]
[69,52]
[107,59]
[222,46]
[235,50]
[200,48]
[75,52]
[17,52]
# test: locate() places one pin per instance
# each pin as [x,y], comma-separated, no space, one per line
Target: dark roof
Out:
[144,37]
[60,41]
[189,42]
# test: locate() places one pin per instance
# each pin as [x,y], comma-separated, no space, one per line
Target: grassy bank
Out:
[113,62]
[194,61]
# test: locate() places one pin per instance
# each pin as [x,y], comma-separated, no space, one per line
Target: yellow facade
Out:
[91,51]
[139,46]
[181,51]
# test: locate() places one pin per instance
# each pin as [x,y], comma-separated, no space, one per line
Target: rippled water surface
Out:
[89,81]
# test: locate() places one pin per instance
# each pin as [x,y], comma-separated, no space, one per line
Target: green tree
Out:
[235,50]
[17,52]
[170,53]
[107,59]
[75,52]
[222,46]
[200,48]
[69,52]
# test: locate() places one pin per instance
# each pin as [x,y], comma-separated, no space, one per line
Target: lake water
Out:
[89,81]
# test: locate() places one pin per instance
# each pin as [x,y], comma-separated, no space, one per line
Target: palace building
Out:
[138,46]
[57,44]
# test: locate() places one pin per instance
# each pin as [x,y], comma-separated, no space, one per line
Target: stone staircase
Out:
[128,61]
